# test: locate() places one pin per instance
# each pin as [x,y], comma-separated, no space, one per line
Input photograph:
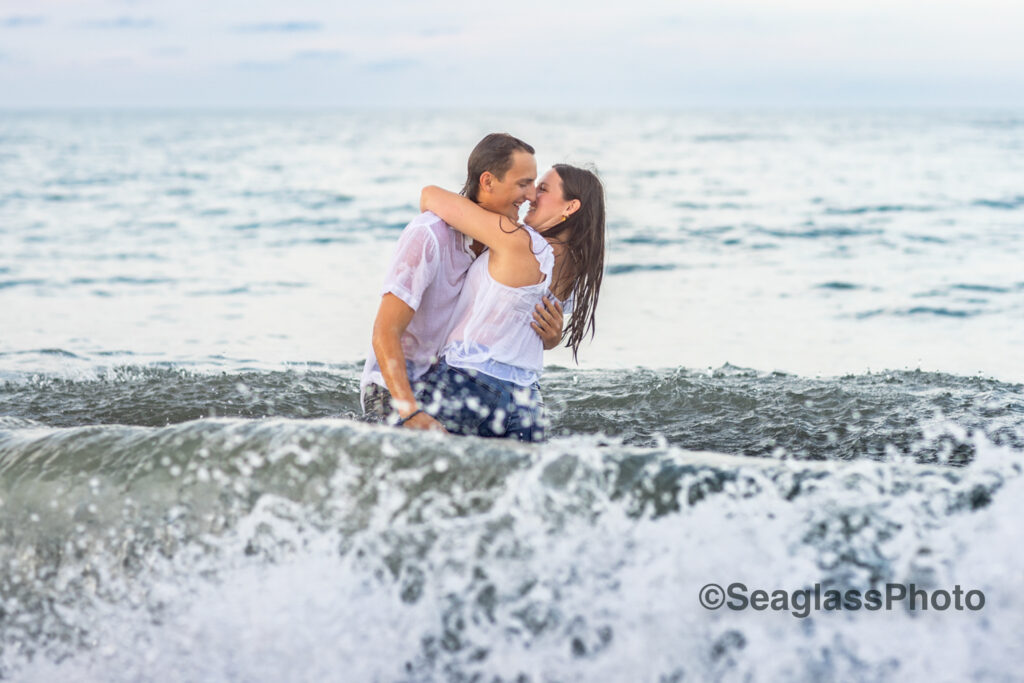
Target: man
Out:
[426,276]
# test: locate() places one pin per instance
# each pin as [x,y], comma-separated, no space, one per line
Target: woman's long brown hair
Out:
[584,247]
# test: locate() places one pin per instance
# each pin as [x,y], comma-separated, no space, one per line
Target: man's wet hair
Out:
[494,154]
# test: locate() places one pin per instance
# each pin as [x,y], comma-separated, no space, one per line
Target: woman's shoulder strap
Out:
[543,251]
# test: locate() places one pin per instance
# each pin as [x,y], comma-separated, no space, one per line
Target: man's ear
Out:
[487,181]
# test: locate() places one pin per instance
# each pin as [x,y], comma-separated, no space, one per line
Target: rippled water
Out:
[807,243]
[807,371]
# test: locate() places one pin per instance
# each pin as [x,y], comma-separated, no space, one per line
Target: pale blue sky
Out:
[573,53]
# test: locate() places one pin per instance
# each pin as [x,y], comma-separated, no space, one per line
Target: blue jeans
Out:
[472,403]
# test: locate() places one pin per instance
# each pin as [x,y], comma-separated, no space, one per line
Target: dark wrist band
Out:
[403,420]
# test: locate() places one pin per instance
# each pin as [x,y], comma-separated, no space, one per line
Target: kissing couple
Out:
[472,298]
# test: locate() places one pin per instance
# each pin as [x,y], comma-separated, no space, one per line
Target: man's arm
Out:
[393,317]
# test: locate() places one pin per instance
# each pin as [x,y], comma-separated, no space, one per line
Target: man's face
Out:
[506,195]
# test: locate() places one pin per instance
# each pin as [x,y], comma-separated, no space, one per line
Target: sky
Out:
[527,54]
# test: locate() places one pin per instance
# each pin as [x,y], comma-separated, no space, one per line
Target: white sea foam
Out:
[551,574]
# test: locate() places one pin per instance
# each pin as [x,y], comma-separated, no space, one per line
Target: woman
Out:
[486,381]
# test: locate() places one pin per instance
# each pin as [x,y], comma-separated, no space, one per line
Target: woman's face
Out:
[550,205]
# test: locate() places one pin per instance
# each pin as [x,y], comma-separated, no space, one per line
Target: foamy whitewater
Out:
[807,371]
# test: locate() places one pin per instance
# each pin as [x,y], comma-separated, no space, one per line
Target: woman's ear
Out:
[573,207]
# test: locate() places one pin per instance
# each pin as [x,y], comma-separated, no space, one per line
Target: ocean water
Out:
[807,371]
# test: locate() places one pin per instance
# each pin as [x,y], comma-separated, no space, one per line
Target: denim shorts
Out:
[472,403]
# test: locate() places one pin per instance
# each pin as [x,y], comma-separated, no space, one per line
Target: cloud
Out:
[260,66]
[168,51]
[642,53]
[121,23]
[21,21]
[390,65]
[301,58]
[443,32]
[319,55]
[121,62]
[280,27]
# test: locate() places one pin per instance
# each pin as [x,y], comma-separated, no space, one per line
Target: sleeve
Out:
[413,266]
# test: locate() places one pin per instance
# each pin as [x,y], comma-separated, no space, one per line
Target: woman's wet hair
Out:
[494,154]
[584,247]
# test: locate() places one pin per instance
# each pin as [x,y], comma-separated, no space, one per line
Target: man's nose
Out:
[531,193]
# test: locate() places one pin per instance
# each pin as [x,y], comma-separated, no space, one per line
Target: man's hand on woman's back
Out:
[548,322]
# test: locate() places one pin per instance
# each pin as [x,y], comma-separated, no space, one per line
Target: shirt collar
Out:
[467,243]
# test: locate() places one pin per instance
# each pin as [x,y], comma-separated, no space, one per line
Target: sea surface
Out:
[808,371]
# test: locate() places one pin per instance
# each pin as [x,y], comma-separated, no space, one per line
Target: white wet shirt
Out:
[491,330]
[427,273]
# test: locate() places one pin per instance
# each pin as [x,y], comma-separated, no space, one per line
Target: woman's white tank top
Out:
[491,330]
